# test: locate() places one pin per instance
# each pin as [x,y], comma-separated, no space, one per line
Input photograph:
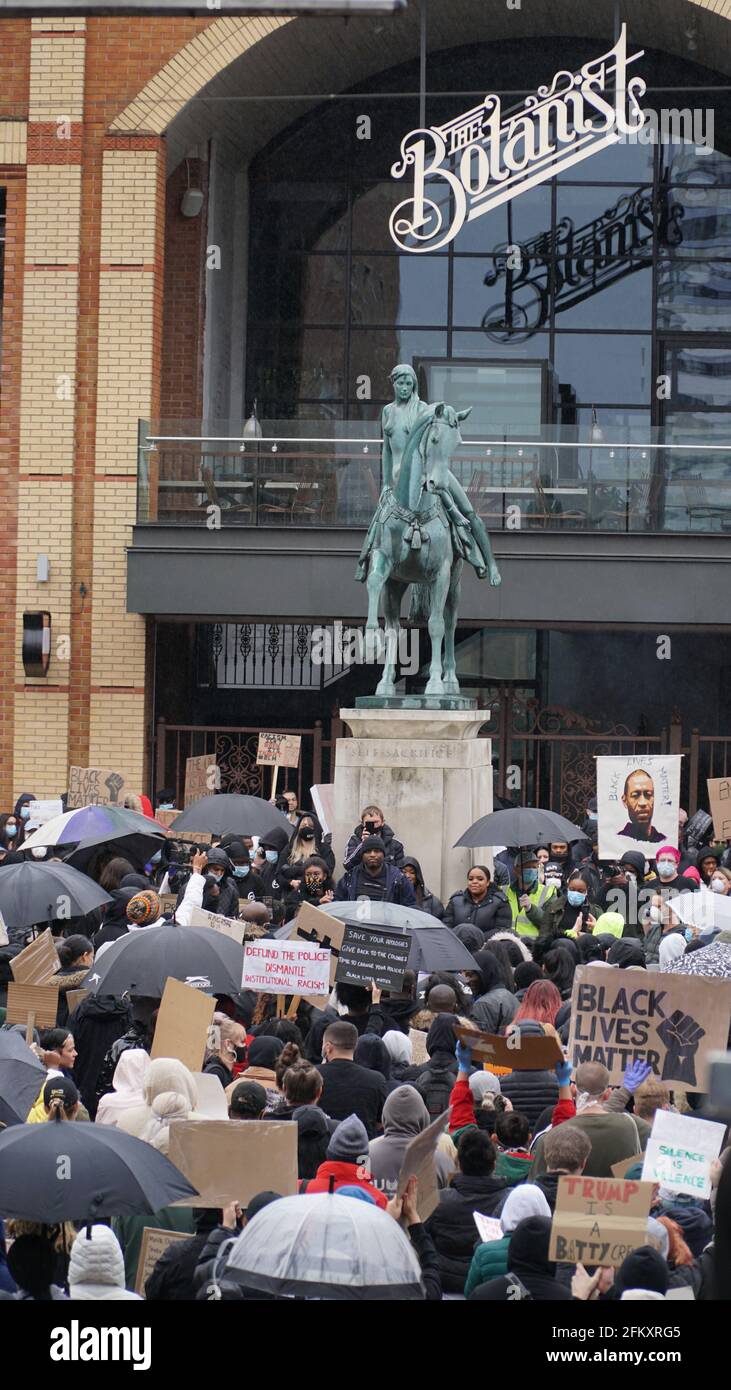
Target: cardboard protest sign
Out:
[672,1022]
[312,924]
[37,963]
[286,967]
[719,800]
[680,1151]
[418,1162]
[75,997]
[229,1161]
[638,799]
[212,1103]
[489,1227]
[36,1002]
[166,818]
[190,837]
[182,1024]
[3,931]
[368,954]
[39,812]
[96,786]
[227,926]
[620,1170]
[598,1221]
[279,750]
[201,778]
[154,1244]
[419,1054]
[323,801]
[517,1051]
[168,902]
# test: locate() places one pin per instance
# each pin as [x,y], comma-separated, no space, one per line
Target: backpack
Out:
[435,1086]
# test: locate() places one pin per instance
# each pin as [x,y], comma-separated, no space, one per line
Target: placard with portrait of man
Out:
[638,801]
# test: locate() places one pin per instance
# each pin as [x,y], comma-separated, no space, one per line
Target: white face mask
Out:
[718,885]
[553,882]
[656,914]
[666,868]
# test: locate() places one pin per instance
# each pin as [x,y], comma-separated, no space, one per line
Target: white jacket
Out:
[96,1266]
[193,897]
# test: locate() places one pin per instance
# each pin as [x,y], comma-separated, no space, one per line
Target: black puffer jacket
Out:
[530,1092]
[97,1024]
[452,1226]
[492,914]
[425,901]
[136,1035]
[393,847]
[270,874]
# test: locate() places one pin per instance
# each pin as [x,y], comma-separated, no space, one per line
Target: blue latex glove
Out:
[463,1053]
[563,1073]
[635,1074]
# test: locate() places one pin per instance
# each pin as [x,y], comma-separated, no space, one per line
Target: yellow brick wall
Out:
[128,211]
[45,526]
[40,762]
[118,637]
[57,78]
[117,732]
[48,384]
[125,366]
[13,142]
[53,210]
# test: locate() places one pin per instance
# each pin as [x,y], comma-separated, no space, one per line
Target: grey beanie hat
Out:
[349,1143]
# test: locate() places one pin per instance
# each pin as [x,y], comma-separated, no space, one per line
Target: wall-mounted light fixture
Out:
[43,569]
[36,643]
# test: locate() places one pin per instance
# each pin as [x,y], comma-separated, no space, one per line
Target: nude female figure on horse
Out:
[423,530]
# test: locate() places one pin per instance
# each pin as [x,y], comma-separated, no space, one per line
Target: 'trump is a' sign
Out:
[673,1022]
[484,158]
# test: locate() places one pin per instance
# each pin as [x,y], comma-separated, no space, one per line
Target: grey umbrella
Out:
[141,962]
[41,892]
[518,827]
[433,946]
[229,814]
[68,1171]
[21,1077]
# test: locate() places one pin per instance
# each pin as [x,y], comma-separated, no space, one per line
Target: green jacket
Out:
[489,1261]
[128,1230]
[514,1166]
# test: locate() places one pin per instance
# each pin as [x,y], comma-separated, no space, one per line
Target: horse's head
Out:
[445,429]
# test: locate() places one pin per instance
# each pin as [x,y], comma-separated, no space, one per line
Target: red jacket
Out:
[563,1110]
[343,1175]
[462,1107]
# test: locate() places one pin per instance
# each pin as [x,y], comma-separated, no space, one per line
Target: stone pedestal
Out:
[430,774]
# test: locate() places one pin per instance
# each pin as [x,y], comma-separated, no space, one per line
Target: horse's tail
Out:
[419,610]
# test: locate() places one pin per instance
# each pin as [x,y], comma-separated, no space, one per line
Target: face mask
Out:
[39,852]
[314,887]
[530,877]
[308,835]
[718,885]
[215,878]
[575,898]
[656,914]
[156,857]
[24,812]
[688,933]
[241,870]
[165,806]
[666,868]
[10,831]
[271,855]
[240,1054]
[553,882]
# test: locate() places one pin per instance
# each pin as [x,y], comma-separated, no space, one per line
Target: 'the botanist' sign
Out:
[484,157]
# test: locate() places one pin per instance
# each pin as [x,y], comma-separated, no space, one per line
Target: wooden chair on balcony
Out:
[697,501]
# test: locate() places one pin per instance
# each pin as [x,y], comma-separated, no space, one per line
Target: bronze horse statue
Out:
[420,540]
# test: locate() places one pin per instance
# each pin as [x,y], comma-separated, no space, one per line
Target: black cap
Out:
[60,1088]
[248,1099]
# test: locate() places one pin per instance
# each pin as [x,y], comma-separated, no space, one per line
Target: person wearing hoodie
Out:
[114,921]
[425,900]
[21,815]
[401,1053]
[172,1278]
[490,1260]
[372,822]
[481,904]
[474,1187]
[307,840]
[129,1078]
[369,875]
[531,1275]
[76,955]
[371,1053]
[512,1137]
[261,1060]
[494,1006]
[404,1116]
[347,1155]
[434,1080]
[96,1267]
[139,1032]
[312,885]
[270,857]
[249,884]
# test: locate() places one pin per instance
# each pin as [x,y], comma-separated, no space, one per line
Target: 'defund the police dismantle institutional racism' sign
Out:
[484,157]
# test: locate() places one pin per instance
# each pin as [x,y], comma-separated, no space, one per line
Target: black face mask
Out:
[308,835]
[240,1054]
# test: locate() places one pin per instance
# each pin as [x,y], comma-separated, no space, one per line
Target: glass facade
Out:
[616,275]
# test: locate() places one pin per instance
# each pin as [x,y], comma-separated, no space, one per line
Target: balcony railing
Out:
[327,474]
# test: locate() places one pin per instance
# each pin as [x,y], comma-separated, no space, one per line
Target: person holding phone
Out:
[373,822]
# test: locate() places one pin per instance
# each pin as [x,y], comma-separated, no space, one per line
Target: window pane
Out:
[372,208]
[298,217]
[698,376]
[701,223]
[605,367]
[694,296]
[486,346]
[489,295]
[399,289]
[521,219]
[375,354]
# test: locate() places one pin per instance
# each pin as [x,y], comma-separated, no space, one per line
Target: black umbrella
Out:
[433,946]
[138,848]
[231,814]
[140,962]
[21,1078]
[69,1171]
[519,827]
[40,892]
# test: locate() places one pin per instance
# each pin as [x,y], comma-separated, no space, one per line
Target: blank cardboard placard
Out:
[40,1000]
[182,1024]
[419,1054]
[672,1022]
[154,1244]
[530,1053]
[599,1221]
[230,1161]
[75,997]
[38,963]
[312,924]
[719,800]
[418,1162]
[227,926]
[620,1170]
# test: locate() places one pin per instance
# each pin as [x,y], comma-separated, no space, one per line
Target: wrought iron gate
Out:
[234,751]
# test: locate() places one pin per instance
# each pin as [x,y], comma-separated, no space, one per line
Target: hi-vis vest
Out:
[541,893]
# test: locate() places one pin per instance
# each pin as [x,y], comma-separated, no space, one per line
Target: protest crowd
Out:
[456,1131]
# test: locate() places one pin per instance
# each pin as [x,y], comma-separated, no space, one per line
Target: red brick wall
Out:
[184,305]
[14,68]
[12,312]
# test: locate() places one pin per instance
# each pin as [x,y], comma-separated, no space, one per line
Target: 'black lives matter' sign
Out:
[672,1022]
[367,955]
